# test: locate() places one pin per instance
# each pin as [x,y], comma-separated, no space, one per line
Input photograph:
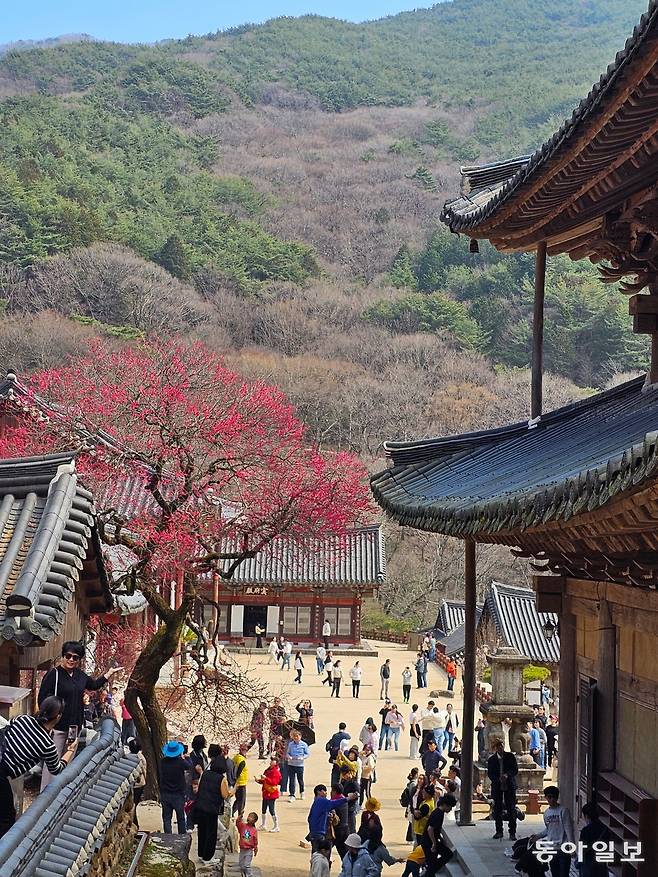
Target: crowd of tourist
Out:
[202,785]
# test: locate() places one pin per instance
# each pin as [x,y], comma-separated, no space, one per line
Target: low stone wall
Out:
[118,838]
[166,855]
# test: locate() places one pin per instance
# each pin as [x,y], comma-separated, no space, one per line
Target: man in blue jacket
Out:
[318,815]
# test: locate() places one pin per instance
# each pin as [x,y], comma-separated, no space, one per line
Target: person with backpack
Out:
[333,747]
[406,799]
[385,678]
[213,791]
[24,742]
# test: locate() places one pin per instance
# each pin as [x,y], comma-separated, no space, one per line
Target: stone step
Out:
[454,868]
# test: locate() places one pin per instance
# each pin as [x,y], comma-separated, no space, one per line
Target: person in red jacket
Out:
[451,671]
[270,781]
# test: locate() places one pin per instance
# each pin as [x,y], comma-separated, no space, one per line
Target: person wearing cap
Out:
[357,861]
[172,785]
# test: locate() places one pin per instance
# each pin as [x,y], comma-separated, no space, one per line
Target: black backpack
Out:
[405,798]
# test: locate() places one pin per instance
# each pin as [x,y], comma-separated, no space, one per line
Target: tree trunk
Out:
[141,699]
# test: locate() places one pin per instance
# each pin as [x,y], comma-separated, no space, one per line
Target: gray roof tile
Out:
[61,830]
[47,530]
[575,459]
[357,558]
[518,623]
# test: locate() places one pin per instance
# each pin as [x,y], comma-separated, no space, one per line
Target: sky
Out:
[151,20]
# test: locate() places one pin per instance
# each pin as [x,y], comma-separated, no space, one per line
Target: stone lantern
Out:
[506,714]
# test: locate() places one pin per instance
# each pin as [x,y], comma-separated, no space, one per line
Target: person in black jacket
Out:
[209,806]
[350,786]
[591,833]
[502,769]
[436,852]
[68,681]
[172,785]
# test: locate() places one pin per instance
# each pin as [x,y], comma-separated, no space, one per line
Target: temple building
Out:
[574,490]
[291,589]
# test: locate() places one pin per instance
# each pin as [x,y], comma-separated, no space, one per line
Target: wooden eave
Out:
[603,155]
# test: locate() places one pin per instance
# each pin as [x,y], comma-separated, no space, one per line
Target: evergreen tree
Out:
[402,272]
[173,257]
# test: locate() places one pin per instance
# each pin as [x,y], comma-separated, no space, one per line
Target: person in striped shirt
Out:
[28,740]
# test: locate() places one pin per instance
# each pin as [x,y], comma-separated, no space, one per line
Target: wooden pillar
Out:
[538,331]
[215,597]
[653,367]
[606,691]
[468,679]
[568,689]
[356,618]
[644,310]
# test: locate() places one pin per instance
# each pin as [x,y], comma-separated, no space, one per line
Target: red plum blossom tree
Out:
[183,457]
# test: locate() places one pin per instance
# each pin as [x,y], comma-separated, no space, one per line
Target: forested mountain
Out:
[274,190]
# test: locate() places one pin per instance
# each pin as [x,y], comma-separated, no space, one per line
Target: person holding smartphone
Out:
[27,742]
[68,682]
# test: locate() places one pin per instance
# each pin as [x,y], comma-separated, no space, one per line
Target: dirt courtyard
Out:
[280,854]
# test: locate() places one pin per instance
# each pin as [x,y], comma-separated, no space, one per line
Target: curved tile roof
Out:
[357,558]
[450,616]
[492,186]
[60,832]
[518,623]
[47,530]
[575,459]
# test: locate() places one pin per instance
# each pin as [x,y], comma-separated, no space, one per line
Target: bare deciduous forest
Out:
[287,215]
